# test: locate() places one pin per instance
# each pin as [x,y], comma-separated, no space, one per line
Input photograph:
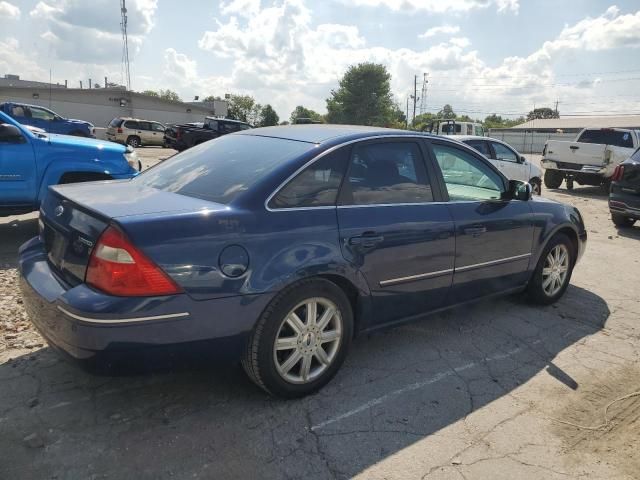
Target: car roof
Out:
[137,119]
[462,138]
[323,133]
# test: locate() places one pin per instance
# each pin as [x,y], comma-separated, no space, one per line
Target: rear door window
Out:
[611,137]
[131,124]
[144,126]
[481,146]
[316,186]
[386,173]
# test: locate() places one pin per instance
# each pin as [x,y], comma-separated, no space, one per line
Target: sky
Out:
[481,56]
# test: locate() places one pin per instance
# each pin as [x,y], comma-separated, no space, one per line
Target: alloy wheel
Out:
[554,272]
[308,340]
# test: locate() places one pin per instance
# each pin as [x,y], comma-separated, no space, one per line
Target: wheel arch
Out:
[567,229]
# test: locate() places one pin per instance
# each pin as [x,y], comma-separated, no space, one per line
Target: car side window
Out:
[504,153]
[42,114]
[131,125]
[18,111]
[386,173]
[315,186]
[144,125]
[480,146]
[466,177]
[157,127]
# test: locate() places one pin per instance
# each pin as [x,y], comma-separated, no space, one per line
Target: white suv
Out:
[513,165]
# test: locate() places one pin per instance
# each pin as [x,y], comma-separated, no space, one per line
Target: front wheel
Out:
[536,186]
[553,178]
[300,340]
[553,271]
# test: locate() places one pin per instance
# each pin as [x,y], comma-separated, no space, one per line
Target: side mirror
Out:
[520,190]
[11,134]
[522,159]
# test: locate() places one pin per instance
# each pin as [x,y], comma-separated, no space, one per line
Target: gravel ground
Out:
[487,392]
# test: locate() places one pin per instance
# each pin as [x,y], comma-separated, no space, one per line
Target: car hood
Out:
[79,122]
[85,143]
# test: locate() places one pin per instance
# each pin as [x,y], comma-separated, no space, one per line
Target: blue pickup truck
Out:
[49,121]
[30,161]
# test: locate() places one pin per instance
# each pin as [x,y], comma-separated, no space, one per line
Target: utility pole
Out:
[415,95]
[125,44]
[557,102]
[423,94]
[406,118]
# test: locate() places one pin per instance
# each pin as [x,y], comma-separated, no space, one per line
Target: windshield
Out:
[221,169]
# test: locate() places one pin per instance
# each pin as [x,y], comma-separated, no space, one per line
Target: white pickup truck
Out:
[591,159]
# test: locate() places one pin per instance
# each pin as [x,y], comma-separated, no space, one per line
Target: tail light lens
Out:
[119,130]
[178,133]
[618,173]
[118,268]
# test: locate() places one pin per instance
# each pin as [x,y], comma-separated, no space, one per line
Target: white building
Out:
[100,105]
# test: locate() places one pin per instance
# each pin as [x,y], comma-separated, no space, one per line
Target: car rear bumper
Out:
[88,325]
[624,203]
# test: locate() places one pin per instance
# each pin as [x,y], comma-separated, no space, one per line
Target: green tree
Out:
[244,108]
[363,97]
[169,95]
[211,98]
[543,112]
[150,93]
[268,116]
[303,112]
[422,121]
[447,113]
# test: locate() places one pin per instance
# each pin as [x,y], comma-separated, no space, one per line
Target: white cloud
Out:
[9,10]
[280,56]
[441,30]
[244,8]
[78,30]
[439,6]
[13,60]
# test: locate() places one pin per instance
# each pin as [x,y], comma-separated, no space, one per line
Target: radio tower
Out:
[125,46]
[423,95]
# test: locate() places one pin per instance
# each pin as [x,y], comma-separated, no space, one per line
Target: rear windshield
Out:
[222,169]
[116,122]
[615,138]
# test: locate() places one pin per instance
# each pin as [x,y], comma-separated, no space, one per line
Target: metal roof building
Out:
[578,123]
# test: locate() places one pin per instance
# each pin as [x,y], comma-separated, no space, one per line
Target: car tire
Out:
[621,221]
[536,186]
[552,274]
[290,357]
[134,141]
[553,178]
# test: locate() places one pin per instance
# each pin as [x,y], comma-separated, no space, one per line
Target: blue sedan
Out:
[280,244]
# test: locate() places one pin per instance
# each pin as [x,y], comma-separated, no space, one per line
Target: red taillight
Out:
[178,133]
[117,267]
[618,173]
[119,130]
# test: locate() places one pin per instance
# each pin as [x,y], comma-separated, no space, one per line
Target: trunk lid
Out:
[74,216]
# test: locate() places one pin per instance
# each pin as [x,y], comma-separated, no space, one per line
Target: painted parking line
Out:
[418,385]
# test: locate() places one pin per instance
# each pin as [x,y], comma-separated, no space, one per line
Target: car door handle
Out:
[574,147]
[475,231]
[367,240]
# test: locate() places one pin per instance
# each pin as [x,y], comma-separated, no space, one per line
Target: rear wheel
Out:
[300,340]
[553,178]
[553,271]
[621,221]
[134,141]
